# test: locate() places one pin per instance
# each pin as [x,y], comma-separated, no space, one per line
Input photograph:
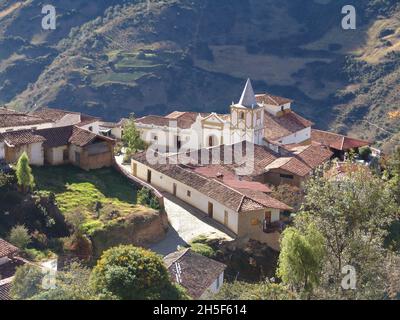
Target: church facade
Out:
[261,119]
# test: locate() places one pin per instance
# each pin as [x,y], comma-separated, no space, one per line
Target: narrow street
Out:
[186,222]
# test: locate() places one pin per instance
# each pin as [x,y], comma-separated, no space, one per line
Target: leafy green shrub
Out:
[146,198]
[365,153]
[27,282]
[19,236]
[131,273]
[91,226]
[203,249]
[254,291]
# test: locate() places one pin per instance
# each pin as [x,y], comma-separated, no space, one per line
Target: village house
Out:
[62,118]
[59,145]
[55,136]
[244,207]
[14,121]
[8,264]
[198,274]
[338,143]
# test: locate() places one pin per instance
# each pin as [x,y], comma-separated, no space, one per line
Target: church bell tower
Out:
[247,118]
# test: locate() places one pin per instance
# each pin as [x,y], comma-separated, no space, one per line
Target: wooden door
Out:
[134,169]
[77,158]
[210,210]
[268,217]
[149,176]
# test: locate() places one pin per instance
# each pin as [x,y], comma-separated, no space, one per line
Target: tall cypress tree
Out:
[24,173]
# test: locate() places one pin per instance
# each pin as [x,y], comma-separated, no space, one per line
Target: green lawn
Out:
[77,190]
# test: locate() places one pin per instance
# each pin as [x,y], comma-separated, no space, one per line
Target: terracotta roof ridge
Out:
[185,251]
[241,203]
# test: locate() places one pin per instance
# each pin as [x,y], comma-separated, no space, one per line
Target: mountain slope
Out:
[118,57]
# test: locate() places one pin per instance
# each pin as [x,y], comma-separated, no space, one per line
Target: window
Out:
[282,108]
[241,115]
[258,115]
[188,193]
[218,283]
[90,128]
[155,138]
[286,176]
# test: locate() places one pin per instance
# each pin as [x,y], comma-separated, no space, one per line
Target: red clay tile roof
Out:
[7,249]
[10,118]
[304,162]
[212,188]
[5,287]
[337,141]
[155,120]
[183,119]
[51,114]
[197,272]
[314,156]
[228,177]
[283,126]
[57,114]
[262,156]
[56,137]
[22,137]
[81,137]
[272,100]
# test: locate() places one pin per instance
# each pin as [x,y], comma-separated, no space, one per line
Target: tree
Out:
[27,282]
[254,291]
[392,173]
[301,258]
[72,284]
[6,180]
[131,273]
[353,214]
[365,153]
[131,137]
[288,194]
[19,236]
[24,173]
[146,198]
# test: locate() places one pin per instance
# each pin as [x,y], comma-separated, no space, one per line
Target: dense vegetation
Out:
[122,273]
[118,57]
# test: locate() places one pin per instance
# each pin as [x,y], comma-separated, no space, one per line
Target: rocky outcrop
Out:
[141,229]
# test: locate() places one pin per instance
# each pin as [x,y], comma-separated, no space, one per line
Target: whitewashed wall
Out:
[275,109]
[2,151]
[30,127]
[297,137]
[196,199]
[215,287]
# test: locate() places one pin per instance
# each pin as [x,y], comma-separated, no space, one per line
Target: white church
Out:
[262,119]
